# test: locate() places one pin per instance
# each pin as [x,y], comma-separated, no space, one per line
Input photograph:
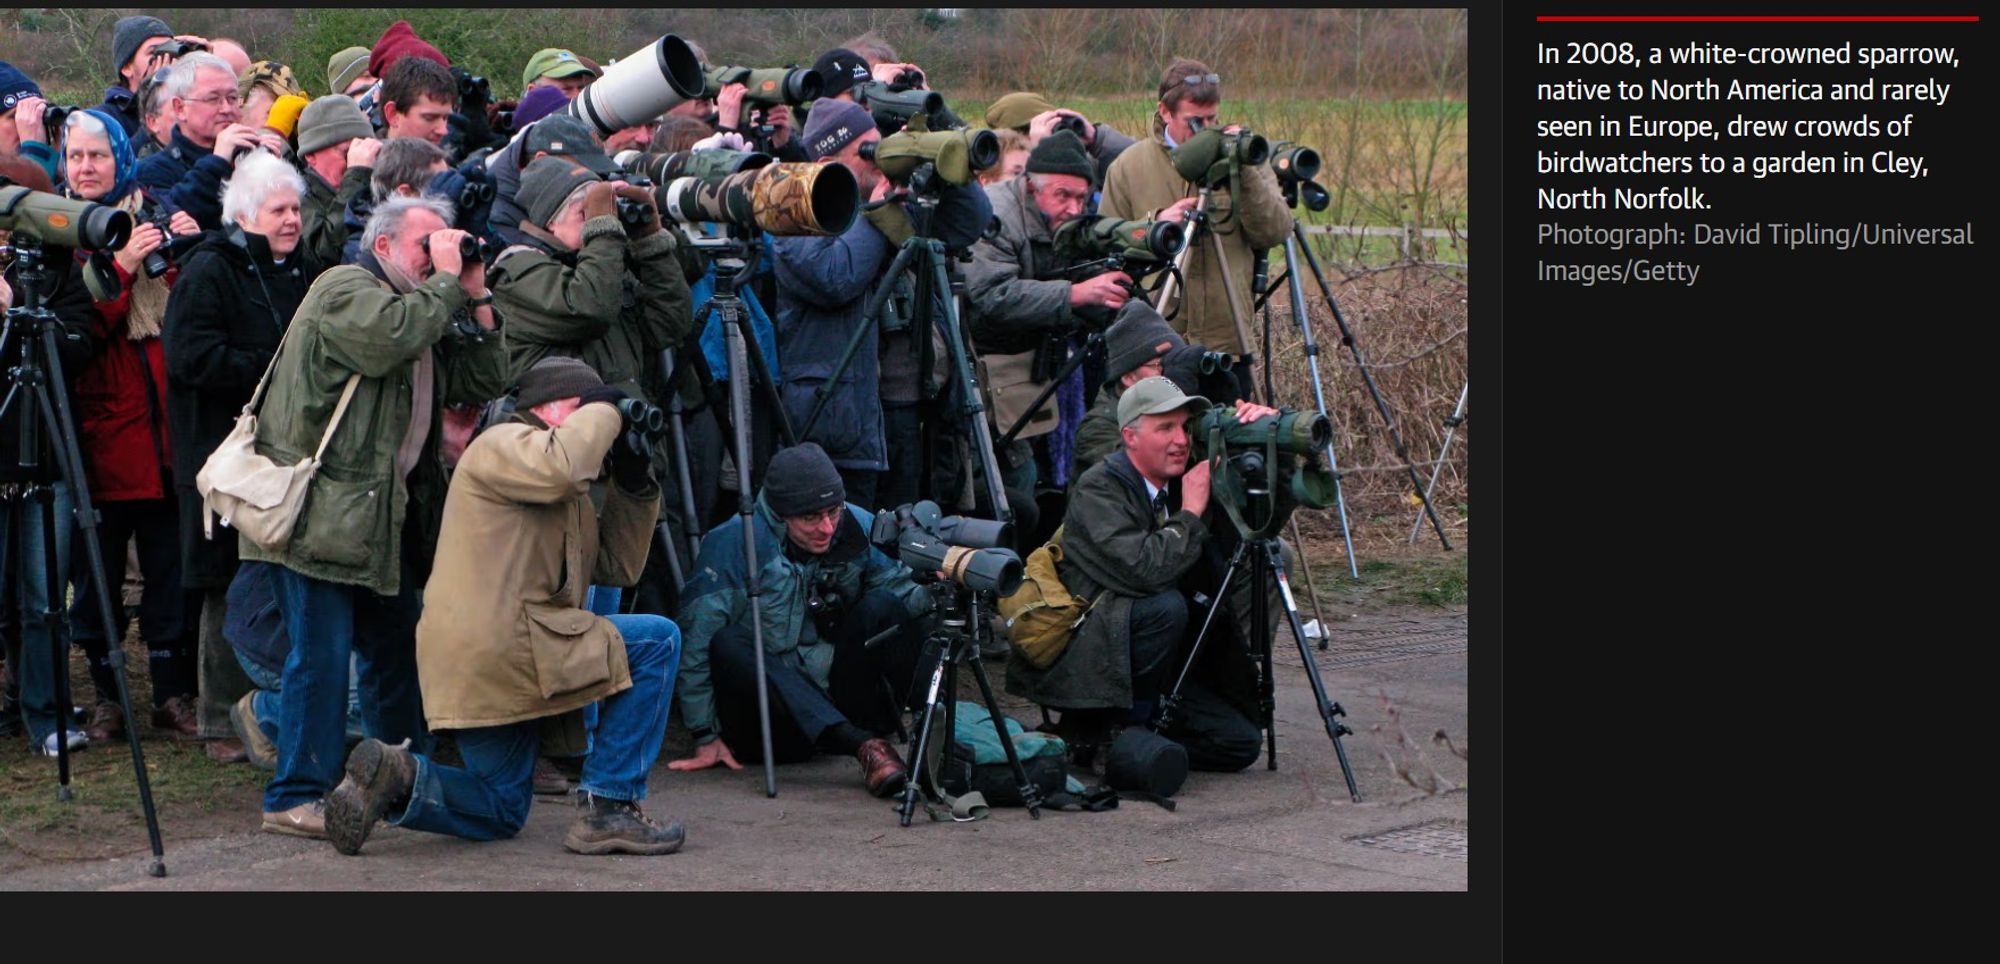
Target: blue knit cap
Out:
[15,86]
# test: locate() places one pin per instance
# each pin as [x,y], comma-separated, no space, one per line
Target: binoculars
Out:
[469,247]
[1296,167]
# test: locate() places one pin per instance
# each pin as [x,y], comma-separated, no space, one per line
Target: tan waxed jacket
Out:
[504,636]
[1143,181]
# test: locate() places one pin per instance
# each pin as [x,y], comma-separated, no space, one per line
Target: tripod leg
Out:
[1260,628]
[974,410]
[683,471]
[62,433]
[1031,797]
[1361,364]
[1171,702]
[1298,291]
[1328,709]
[739,403]
[920,745]
[1451,429]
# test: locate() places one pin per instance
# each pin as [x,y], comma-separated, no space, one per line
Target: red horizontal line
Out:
[1759,19]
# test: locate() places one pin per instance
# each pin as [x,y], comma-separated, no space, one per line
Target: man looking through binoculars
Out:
[507,653]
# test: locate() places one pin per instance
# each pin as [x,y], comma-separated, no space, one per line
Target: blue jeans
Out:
[269,709]
[488,798]
[327,623]
[21,532]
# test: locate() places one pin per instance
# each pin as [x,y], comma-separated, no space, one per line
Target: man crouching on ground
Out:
[506,654]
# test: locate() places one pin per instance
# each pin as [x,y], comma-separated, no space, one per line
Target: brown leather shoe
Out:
[107,722]
[882,770]
[178,718]
[226,751]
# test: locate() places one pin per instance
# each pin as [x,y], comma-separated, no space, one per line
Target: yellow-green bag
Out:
[1042,615]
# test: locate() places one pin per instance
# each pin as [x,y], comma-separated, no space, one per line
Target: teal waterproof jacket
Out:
[717,596]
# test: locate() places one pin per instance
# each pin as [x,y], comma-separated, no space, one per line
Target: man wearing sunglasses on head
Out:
[1143,185]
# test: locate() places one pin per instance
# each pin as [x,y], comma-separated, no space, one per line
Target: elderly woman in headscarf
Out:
[121,423]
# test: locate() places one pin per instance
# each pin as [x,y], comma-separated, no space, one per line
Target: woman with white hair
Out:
[121,425]
[235,297]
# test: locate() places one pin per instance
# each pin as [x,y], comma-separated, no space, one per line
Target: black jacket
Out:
[186,177]
[230,307]
[63,294]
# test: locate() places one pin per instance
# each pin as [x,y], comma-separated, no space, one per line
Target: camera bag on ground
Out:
[1042,616]
[250,493]
[973,772]
[1144,765]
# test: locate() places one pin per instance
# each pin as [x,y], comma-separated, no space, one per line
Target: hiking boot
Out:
[262,750]
[605,826]
[550,781]
[304,820]
[178,717]
[107,722]
[379,778]
[882,770]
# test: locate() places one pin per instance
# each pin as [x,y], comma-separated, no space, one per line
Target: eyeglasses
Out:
[829,514]
[1196,80]
[217,99]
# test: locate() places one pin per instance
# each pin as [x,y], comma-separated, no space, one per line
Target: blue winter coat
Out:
[824,284]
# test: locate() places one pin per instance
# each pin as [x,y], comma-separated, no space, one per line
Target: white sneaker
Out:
[77,741]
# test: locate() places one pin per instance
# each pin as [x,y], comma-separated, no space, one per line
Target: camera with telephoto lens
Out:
[711,164]
[748,190]
[957,155]
[1296,166]
[172,246]
[965,550]
[1270,466]
[641,86]
[470,248]
[1211,156]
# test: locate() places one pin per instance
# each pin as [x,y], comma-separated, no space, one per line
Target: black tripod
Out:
[1265,558]
[935,272]
[45,411]
[958,611]
[746,361]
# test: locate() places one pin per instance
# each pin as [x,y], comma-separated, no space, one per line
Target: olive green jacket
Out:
[578,305]
[1143,181]
[323,213]
[351,530]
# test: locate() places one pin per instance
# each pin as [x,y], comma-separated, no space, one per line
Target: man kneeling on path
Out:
[826,591]
[506,653]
